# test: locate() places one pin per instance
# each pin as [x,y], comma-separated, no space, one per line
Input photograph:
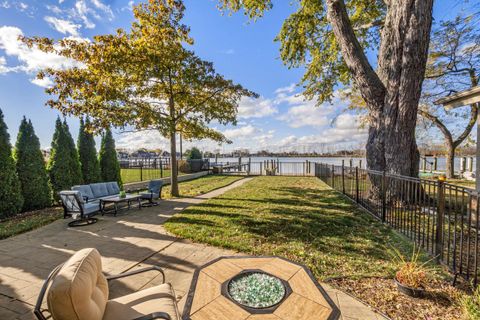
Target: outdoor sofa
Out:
[78,290]
[83,201]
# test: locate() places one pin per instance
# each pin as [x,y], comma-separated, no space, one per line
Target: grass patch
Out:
[201,185]
[29,221]
[463,183]
[136,174]
[299,218]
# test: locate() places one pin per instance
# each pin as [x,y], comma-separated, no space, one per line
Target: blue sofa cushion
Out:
[89,208]
[113,188]
[85,191]
[99,189]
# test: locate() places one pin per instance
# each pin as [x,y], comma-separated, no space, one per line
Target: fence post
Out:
[343,176]
[440,220]
[356,185]
[384,197]
[141,171]
[161,168]
[333,176]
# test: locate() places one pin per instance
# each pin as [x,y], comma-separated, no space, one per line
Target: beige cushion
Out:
[155,299]
[80,290]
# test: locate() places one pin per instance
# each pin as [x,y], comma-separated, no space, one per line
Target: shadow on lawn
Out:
[315,219]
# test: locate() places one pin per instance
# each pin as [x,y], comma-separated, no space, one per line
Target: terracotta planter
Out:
[409,291]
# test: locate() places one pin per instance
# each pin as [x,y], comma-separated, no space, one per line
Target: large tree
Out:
[453,65]
[145,78]
[11,200]
[331,39]
[31,168]
[109,166]
[88,154]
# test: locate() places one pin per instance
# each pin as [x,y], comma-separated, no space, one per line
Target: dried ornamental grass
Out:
[411,273]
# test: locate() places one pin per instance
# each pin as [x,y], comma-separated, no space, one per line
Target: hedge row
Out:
[28,183]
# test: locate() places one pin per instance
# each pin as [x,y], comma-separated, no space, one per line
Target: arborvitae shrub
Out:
[88,155]
[109,165]
[31,169]
[11,200]
[63,166]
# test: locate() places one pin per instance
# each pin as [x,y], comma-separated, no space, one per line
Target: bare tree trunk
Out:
[402,61]
[450,166]
[393,94]
[173,151]
[174,165]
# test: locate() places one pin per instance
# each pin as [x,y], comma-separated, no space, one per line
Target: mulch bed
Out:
[50,211]
[440,302]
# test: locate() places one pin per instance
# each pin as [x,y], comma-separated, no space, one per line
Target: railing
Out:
[441,218]
[271,167]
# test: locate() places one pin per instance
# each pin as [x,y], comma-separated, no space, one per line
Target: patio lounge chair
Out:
[76,207]
[154,193]
[78,290]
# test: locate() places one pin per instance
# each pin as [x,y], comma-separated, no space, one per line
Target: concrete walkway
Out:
[128,241]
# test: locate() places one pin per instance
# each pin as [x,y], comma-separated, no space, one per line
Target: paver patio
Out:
[126,242]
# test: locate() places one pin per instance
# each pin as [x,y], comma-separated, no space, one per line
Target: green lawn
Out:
[299,218]
[462,182]
[201,185]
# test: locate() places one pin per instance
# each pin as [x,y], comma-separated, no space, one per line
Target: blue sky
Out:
[243,51]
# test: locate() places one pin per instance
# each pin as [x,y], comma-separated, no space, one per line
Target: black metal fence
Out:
[143,169]
[440,217]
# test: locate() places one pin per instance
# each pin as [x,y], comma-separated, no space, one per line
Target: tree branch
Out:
[469,127]
[437,122]
[367,81]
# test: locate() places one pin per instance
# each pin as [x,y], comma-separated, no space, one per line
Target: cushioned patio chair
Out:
[154,193]
[78,290]
[75,206]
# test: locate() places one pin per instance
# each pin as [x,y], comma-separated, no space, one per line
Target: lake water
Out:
[441,163]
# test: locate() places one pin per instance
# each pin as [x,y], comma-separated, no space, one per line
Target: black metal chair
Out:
[154,193]
[75,206]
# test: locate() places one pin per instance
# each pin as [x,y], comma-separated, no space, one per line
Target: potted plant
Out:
[122,194]
[412,275]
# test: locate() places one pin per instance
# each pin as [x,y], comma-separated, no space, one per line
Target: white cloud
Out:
[54,9]
[307,115]
[30,60]
[256,108]
[129,6]
[240,132]
[45,82]
[22,6]
[103,7]
[63,26]
[5,4]
[284,90]
[3,65]
[81,11]
[346,129]
[150,139]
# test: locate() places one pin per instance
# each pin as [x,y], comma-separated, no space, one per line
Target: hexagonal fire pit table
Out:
[254,288]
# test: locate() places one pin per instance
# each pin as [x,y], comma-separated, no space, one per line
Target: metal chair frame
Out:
[75,207]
